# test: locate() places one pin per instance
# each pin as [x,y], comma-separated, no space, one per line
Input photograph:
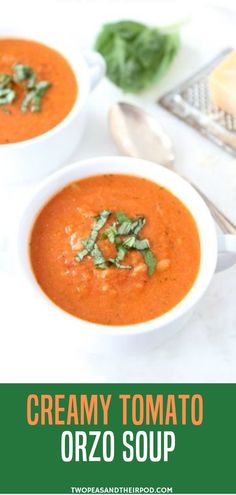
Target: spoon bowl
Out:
[138,134]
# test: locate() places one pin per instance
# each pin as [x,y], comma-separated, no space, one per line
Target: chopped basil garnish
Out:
[100,222]
[138,225]
[131,226]
[141,244]
[101,219]
[115,262]
[7,94]
[34,96]
[24,73]
[26,101]
[121,252]
[98,257]
[123,226]
[133,242]
[111,233]
[150,260]
[129,242]
[80,256]
[24,76]
[90,243]
[5,81]
[121,217]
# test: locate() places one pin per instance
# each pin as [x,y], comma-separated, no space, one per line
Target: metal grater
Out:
[191,102]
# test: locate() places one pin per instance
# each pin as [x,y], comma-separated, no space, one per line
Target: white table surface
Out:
[33,347]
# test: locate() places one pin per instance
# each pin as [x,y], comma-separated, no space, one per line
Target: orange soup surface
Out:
[58,100]
[112,295]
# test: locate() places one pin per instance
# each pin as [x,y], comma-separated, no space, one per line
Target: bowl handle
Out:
[226,252]
[96,66]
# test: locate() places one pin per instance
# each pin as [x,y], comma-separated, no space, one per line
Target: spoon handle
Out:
[222,221]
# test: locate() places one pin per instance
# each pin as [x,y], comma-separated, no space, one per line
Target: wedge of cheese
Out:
[222,83]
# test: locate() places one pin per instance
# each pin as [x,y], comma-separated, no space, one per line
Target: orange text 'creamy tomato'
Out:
[115,296]
[57,102]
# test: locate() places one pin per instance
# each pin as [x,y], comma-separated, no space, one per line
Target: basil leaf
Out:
[150,260]
[121,217]
[141,244]
[36,103]
[101,219]
[136,55]
[115,262]
[80,256]
[118,241]
[34,96]
[125,228]
[126,29]
[5,81]
[110,233]
[24,72]
[100,222]
[89,244]
[121,252]
[131,226]
[138,225]
[26,101]
[41,87]
[98,258]
[129,242]
[39,90]
[7,95]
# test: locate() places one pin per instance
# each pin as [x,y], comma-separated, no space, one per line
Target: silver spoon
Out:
[138,134]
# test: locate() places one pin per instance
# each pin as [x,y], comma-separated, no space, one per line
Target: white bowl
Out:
[142,335]
[34,158]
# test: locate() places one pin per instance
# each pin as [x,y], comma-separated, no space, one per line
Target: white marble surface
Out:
[33,347]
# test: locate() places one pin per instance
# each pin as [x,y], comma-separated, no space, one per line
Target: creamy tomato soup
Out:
[56,102]
[115,249]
